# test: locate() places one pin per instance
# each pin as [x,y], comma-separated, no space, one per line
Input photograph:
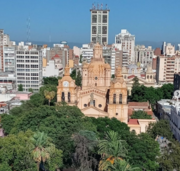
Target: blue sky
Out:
[148,20]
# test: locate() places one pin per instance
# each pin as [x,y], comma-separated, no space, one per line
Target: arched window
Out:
[120,99]
[62,97]
[114,98]
[94,103]
[151,77]
[69,96]
[148,77]
[95,84]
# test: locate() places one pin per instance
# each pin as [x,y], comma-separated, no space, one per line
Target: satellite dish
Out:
[177,94]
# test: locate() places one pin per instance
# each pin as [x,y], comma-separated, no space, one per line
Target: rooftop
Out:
[133,122]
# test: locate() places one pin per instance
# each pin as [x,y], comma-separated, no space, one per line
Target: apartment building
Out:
[143,55]
[87,52]
[99,24]
[29,69]
[166,67]
[9,59]
[168,49]
[126,42]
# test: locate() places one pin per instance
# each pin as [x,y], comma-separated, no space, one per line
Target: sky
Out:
[69,20]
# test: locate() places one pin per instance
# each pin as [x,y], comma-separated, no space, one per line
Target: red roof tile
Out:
[131,76]
[138,104]
[133,122]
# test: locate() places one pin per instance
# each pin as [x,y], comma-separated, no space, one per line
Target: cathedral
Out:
[99,96]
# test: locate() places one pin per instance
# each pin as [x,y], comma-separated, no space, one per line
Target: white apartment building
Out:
[29,69]
[126,42]
[87,52]
[99,25]
[6,40]
[113,59]
[53,69]
[168,49]
[9,59]
[143,55]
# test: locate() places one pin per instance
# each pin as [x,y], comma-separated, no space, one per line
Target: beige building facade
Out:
[99,96]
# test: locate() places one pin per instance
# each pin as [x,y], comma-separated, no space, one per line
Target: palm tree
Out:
[49,95]
[43,148]
[120,165]
[110,149]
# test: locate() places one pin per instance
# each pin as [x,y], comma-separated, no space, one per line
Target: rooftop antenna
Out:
[101,6]
[106,7]
[28,28]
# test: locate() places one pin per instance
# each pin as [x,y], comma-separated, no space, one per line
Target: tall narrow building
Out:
[99,24]
[1,50]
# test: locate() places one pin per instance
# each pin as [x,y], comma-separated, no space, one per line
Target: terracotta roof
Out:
[131,76]
[133,122]
[138,104]
[56,56]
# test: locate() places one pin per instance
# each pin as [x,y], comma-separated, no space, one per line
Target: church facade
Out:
[99,96]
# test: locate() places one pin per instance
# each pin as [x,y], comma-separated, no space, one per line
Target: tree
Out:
[121,165]
[107,124]
[80,61]
[49,88]
[135,82]
[59,123]
[78,81]
[85,142]
[140,115]
[49,95]
[143,151]
[161,128]
[20,87]
[51,80]
[167,90]
[73,74]
[169,159]
[15,152]
[31,90]
[42,148]
[111,148]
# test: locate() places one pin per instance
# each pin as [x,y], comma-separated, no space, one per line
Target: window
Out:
[95,84]
[85,105]
[62,97]
[100,105]
[94,18]
[99,29]
[69,96]
[120,99]
[116,114]
[104,18]
[114,98]
[104,29]
[94,30]
[96,78]
[94,102]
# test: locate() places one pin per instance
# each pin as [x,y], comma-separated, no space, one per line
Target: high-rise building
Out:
[125,41]
[144,55]
[166,67]
[29,68]
[168,49]
[99,24]
[9,59]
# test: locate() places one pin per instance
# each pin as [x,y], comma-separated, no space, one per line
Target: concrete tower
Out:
[99,24]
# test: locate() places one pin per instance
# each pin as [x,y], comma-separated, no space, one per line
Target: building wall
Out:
[29,69]
[127,43]
[1,50]
[99,26]
[9,59]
